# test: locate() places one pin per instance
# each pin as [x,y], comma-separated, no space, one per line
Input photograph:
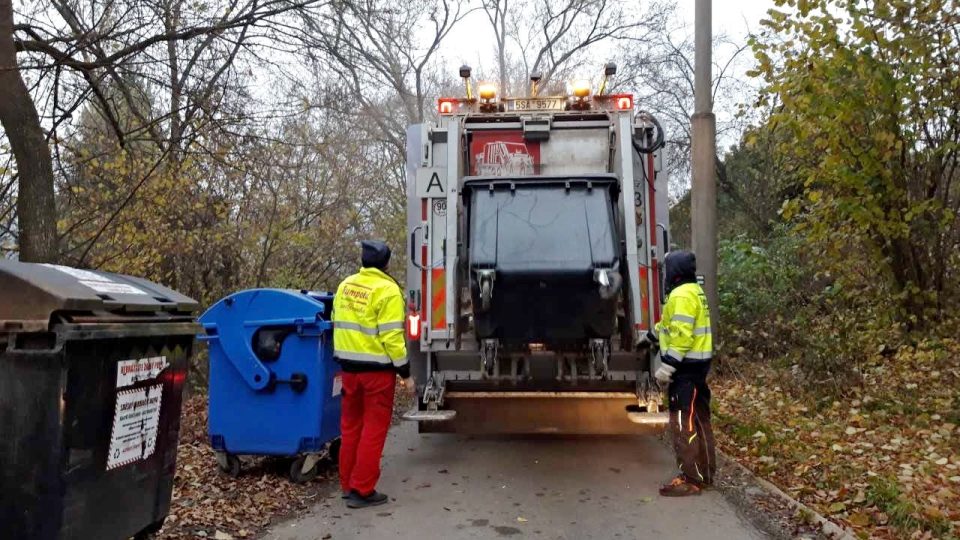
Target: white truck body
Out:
[499,382]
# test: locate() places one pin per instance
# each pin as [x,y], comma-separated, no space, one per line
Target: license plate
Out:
[537,104]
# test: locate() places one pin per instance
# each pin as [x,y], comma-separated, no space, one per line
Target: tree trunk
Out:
[908,275]
[36,209]
[172,22]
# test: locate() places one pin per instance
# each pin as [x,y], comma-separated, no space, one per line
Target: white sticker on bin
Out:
[98,283]
[136,419]
[337,385]
[142,369]
[112,287]
[78,273]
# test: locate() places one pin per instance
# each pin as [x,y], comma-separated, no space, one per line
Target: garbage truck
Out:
[536,229]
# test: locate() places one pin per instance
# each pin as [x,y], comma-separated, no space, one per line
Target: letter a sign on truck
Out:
[432,183]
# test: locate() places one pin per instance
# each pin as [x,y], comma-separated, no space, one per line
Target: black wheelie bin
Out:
[543,254]
[92,368]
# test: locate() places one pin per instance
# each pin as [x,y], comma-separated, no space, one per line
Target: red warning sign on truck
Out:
[503,153]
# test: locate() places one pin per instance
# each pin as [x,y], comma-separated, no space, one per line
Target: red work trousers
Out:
[367,409]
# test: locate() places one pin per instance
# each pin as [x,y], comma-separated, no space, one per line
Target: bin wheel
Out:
[231,467]
[297,476]
[485,295]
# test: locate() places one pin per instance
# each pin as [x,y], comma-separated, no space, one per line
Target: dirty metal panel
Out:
[575,151]
[633,206]
[450,218]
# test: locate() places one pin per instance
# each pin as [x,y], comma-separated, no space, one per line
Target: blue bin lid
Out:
[263,305]
[233,321]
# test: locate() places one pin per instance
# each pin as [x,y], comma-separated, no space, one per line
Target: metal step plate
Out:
[415,415]
[649,419]
[560,413]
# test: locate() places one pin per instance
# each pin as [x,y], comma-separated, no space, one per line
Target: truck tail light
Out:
[624,102]
[446,105]
[413,325]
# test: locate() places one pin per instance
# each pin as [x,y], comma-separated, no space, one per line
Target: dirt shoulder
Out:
[883,460]
[209,504]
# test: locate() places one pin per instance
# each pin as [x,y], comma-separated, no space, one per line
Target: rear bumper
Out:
[567,413]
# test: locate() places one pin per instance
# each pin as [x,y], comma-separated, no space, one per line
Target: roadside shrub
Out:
[777,305]
[761,288]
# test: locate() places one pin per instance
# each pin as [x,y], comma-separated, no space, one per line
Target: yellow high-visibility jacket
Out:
[368,316]
[684,327]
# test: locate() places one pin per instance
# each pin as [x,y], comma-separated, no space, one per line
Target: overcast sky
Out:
[736,18]
[472,41]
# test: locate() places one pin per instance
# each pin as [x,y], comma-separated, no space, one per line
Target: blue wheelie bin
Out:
[274,385]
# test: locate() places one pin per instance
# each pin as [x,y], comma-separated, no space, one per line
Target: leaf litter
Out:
[209,504]
[883,461]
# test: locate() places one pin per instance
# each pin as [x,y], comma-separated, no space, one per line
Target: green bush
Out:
[757,281]
[776,305]
[761,287]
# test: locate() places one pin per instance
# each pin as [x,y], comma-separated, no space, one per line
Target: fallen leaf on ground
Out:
[860,519]
[209,504]
[865,459]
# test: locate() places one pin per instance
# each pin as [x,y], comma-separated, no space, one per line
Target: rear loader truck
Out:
[537,226]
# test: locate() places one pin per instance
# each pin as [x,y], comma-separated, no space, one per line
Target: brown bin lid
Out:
[30,293]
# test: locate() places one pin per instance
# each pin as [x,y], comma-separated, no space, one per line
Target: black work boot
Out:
[680,487]
[355,500]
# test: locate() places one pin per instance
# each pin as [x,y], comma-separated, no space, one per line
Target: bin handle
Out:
[280,322]
[299,323]
[318,296]
[211,332]
[237,348]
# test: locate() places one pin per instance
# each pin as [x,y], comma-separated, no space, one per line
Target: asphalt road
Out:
[557,488]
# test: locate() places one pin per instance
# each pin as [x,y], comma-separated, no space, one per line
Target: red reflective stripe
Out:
[438,305]
[423,256]
[652,218]
[644,323]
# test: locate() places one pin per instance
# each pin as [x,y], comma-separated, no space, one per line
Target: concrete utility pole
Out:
[703,193]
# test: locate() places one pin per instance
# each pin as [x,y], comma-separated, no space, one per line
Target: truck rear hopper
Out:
[474,380]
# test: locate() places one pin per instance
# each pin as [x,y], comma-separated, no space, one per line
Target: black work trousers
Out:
[690,425]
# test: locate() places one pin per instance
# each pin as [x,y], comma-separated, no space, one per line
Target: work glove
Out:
[665,373]
[649,340]
[409,385]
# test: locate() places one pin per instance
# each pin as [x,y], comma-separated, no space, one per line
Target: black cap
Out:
[679,267]
[374,254]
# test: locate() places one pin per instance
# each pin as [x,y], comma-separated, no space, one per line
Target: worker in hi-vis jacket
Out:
[686,349]
[369,344]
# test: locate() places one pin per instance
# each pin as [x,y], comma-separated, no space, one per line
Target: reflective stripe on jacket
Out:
[684,327]
[368,315]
